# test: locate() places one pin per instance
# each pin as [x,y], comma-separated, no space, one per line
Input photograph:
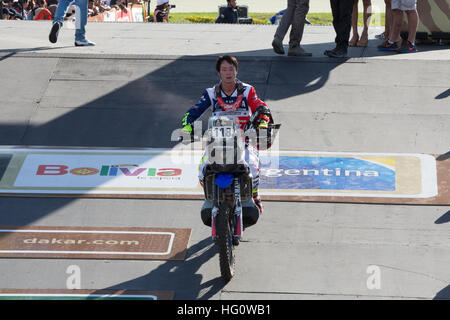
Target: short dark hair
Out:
[230,59]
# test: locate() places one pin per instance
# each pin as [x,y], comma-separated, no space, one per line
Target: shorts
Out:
[404,5]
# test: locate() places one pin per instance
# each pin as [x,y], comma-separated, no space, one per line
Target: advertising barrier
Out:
[165,173]
[94,243]
[134,13]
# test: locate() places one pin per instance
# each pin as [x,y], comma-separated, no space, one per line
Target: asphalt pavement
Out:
[131,91]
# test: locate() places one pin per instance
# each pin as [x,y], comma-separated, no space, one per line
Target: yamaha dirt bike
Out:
[229,206]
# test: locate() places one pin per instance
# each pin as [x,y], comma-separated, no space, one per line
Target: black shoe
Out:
[326,52]
[336,53]
[277,46]
[53,36]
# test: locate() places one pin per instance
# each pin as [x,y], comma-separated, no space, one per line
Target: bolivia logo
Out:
[84,171]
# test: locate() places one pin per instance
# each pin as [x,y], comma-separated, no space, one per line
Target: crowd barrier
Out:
[134,13]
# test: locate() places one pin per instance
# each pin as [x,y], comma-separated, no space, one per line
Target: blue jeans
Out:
[81,16]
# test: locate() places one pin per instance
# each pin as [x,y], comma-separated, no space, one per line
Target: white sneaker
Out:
[84,43]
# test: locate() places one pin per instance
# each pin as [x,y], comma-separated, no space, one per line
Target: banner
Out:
[168,173]
[134,13]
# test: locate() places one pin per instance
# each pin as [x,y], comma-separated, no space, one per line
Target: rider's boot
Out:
[206,210]
[257,200]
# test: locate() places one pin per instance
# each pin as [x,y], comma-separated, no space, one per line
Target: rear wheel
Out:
[225,242]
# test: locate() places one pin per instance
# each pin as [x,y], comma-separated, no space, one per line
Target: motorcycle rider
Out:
[231,95]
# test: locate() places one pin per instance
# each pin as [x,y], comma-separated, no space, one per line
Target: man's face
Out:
[233,3]
[227,72]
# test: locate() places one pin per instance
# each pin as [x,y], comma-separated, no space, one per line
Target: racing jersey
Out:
[241,104]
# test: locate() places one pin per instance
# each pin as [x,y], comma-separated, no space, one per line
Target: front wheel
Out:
[224,226]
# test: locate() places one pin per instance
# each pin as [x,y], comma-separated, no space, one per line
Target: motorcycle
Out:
[228,182]
[228,185]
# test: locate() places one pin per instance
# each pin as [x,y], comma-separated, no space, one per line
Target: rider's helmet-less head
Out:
[230,59]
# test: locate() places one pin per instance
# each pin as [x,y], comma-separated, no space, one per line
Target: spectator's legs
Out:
[397,21]
[58,19]
[366,16]
[413,23]
[342,21]
[286,21]
[81,19]
[355,36]
[61,10]
[387,19]
[335,12]
[298,22]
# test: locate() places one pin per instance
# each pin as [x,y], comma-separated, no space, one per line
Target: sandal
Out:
[362,43]
[353,42]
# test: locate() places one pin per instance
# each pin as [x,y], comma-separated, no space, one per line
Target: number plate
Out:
[222,132]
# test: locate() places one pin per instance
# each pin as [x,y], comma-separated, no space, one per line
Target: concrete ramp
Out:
[130,92]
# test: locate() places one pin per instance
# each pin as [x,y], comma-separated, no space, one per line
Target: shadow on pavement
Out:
[444,294]
[182,277]
[444,218]
[443,157]
[138,103]
[443,95]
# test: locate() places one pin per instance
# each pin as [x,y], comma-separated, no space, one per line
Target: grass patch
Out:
[325,18]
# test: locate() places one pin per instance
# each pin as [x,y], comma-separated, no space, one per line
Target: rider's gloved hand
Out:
[187,129]
[263,125]
[263,122]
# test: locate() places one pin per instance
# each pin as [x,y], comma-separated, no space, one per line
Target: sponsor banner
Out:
[124,16]
[355,175]
[174,173]
[137,13]
[134,13]
[100,172]
[108,16]
[94,243]
[77,294]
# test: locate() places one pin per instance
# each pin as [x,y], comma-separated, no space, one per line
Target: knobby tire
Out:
[225,243]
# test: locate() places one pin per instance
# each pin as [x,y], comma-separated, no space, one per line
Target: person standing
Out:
[294,17]
[230,14]
[392,43]
[162,11]
[80,22]
[342,23]
[387,21]
[356,41]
